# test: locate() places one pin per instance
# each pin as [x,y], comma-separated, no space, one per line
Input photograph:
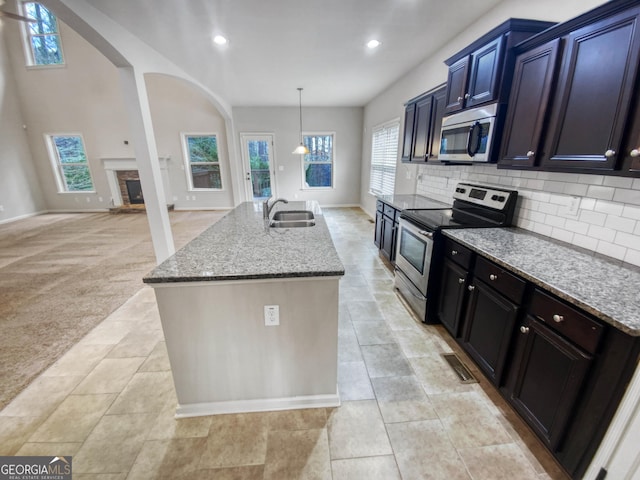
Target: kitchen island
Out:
[217,294]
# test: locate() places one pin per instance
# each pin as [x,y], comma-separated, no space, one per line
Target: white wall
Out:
[283,123]
[432,72]
[84,96]
[178,108]
[19,187]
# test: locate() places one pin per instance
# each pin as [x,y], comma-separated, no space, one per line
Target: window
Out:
[70,164]
[202,161]
[42,36]
[384,154]
[317,165]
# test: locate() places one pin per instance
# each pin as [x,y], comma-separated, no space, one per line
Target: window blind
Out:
[384,155]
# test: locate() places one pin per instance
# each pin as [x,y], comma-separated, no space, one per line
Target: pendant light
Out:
[301,149]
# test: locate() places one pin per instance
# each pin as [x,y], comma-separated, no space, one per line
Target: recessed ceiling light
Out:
[219,40]
[373,43]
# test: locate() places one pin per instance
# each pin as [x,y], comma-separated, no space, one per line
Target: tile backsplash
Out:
[597,212]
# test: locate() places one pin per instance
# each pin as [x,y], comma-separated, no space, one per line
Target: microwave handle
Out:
[473,140]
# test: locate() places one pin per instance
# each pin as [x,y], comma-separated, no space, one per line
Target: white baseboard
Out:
[257,405]
[22,217]
[87,210]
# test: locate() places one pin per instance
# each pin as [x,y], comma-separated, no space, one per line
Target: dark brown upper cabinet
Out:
[595,89]
[481,73]
[407,139]
[423,119]
[528,105]
[574,104]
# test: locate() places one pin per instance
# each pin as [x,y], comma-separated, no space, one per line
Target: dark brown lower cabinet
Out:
[546,379]
[489,325]
[388,248]
[377,239]
[450,303]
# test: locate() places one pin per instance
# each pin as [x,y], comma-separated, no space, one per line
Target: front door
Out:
[257,157]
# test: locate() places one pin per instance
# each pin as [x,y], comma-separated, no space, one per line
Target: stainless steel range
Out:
[418,258]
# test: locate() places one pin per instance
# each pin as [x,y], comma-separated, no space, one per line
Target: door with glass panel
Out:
[257,156]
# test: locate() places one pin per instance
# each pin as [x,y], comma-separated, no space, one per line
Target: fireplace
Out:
[134,191]
[124,184]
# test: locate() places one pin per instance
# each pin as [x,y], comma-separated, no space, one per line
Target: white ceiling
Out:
[276,46]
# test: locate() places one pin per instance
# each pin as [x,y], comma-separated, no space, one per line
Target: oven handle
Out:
[426,233]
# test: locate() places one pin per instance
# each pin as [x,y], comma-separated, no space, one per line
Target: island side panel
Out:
[221,351]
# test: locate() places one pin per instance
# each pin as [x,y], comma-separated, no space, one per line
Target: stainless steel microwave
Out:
[467,136]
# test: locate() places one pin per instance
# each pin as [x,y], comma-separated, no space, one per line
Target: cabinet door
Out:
[377,239]
[457,85]
[407,139]
[388,238]
[595,88]
[631,151]
[486,70]
[488,328]
[422,129]
[546,380]
[453,287]
[437,114]
[528,105]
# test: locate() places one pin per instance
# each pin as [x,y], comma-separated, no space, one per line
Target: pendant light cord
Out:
[300,105]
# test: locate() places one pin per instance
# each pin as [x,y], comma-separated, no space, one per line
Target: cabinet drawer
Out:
[566,320]
[456,252]
[503,281]
[389,211]
[379,206]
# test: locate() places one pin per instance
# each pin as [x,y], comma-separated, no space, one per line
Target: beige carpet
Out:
[62,274]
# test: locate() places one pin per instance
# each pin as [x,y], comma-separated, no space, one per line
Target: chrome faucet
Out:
[266,209]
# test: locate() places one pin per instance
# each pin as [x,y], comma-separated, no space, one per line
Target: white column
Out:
[134,92]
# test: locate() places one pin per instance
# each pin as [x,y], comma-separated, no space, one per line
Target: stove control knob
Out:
[501,198]
[494,197]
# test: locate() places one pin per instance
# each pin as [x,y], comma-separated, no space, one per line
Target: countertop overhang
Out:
[241,246]
[602,287]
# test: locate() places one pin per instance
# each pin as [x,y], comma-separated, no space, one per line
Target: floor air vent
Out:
[463,373]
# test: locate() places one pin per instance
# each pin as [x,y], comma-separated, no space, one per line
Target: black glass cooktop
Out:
[447,218]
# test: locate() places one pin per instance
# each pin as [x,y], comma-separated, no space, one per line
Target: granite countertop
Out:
[240,246]
[602,287]
[404,202]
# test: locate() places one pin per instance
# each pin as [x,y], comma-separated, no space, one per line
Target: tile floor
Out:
[109,402]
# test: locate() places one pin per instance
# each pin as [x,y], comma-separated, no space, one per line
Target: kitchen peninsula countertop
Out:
[404,202]
[241,247]
[602,287]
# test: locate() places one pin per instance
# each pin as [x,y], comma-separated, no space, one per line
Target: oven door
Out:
[413,254]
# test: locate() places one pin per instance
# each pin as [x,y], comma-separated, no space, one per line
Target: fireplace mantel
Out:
[113,165]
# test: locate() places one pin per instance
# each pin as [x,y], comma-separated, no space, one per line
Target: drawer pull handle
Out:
[609,153]
[471,288]
[459,99]
[454,252]
[524,329]
[530,153]
[461,280]
[493,277]
[635,153]
[558,318]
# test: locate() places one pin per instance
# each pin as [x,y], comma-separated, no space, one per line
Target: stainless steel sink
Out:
[293,215]
[292,219]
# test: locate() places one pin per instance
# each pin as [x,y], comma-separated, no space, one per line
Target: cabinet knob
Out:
[531,153]
[635,152]
[493,277]
[454,252]
[524,329]
[471,288]
[558,318]
[609,153]
[459,99]
[461,280]
[466,95]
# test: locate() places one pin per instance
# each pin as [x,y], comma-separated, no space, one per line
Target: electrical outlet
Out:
[271,315]
[1,208]
[574,204]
